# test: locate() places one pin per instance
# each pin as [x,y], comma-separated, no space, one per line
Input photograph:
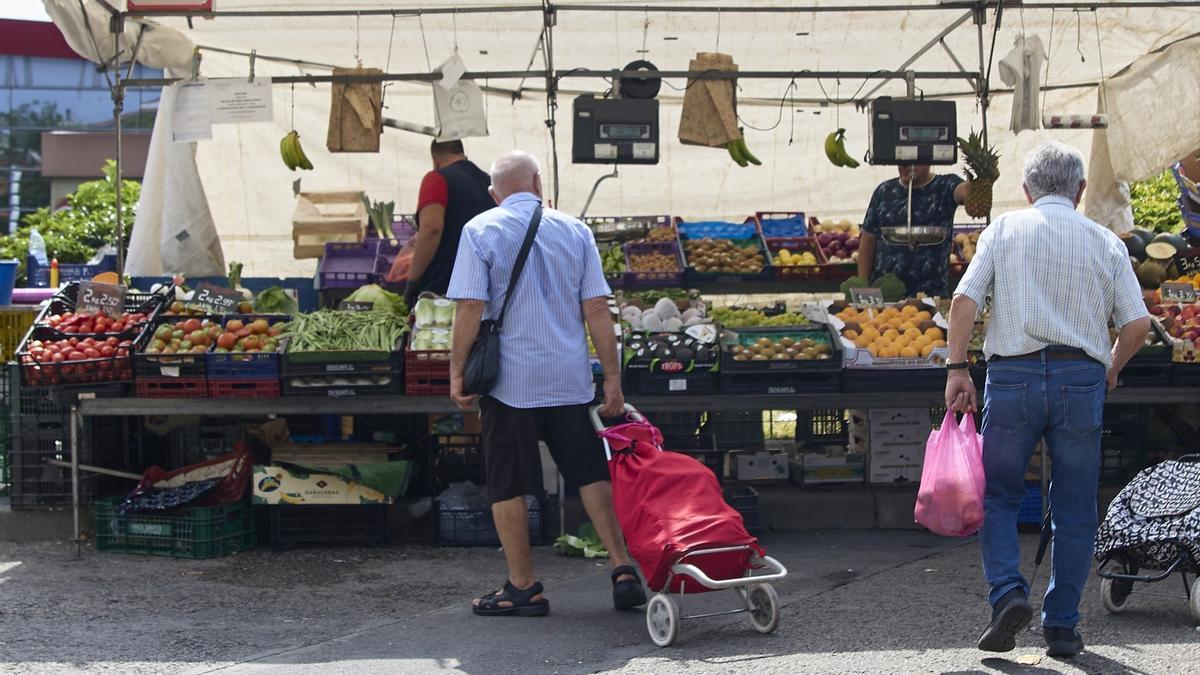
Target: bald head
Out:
[514,172]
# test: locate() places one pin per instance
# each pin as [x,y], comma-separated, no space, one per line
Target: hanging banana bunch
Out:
[291,152]
[835,150]
[740,153]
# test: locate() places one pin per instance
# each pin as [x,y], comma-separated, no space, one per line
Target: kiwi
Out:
[758,357]
[787,342]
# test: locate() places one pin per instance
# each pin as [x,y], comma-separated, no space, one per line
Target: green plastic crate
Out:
[187,532]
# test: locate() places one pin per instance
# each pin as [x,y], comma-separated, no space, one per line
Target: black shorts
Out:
[511,458]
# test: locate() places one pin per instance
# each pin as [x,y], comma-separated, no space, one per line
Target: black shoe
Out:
[1064,642]
[1009,615]
[629,593]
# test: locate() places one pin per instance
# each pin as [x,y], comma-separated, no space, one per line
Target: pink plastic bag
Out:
[950,501]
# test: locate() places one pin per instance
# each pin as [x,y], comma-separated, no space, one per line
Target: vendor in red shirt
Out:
[452,194]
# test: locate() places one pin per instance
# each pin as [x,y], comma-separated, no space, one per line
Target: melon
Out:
[1145,235]
[1177,242]
[1135,246]
[1151,274]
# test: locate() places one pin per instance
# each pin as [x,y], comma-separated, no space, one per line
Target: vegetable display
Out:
[257,335]
[753,318]
[381,300]
[193,335]
[329,330]
[96,323]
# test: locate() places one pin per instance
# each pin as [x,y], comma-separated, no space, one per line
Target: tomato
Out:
[226,340]
[198,337]
[116,327]
[107,351]
[244,332]
[73,341]
[260,326]
[234,325]
[70,330]
[251,344]
[91,353]
[112,342]
[75,355]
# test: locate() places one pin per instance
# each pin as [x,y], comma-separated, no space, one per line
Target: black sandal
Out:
[522,601]
[627,593]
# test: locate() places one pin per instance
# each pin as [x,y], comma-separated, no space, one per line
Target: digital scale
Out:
[908,131]
[615,130]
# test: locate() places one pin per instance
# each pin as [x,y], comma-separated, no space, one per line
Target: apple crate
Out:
[796,245]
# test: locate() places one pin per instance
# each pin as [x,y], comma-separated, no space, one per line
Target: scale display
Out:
[615,131]
[906,131]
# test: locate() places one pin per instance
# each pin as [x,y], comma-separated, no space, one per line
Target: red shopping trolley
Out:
[679,529]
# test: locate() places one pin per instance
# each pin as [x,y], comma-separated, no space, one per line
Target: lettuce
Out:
[381,300]
[275,300]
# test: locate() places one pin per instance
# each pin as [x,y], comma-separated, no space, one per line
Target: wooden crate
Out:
[322,217]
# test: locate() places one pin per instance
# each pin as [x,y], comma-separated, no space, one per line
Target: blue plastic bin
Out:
[8,279]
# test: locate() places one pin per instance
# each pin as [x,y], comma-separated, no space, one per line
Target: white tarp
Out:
[250,192]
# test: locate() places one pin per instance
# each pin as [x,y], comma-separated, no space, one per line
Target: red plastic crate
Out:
[427,373]
[171,387]
[243,388]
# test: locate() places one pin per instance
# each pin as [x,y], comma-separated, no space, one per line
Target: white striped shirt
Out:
[1055,278]
[543,342]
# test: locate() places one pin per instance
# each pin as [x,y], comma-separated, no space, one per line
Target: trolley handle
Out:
[630,412]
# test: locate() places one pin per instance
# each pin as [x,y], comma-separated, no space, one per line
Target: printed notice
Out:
[190,120]
[233,100]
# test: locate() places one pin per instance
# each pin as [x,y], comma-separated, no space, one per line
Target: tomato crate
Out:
[796,246]
[42,371]
[134,300]
[427,373]
[344,384]
[57,306]
[171,387]
[169,366]
[260,388]
[188,532]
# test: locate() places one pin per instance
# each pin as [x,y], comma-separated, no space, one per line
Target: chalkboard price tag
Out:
[1178,292]
[354,306]
[215,299]
[106,298]
[1188,263]
[867,297]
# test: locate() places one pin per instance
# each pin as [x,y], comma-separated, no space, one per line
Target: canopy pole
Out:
[548,20]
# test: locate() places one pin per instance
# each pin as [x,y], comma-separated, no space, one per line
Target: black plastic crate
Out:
[735,430]
[327,524]
[701,446]
[1147,371]
[676,422]
[673,384]
[784,382]
[455,459]
[475,527]
[744,500]
[1185,374]
[822,427]
[39,401]
[392,387]
[866,380]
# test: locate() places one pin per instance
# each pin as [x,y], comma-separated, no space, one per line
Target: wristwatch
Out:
[962,365]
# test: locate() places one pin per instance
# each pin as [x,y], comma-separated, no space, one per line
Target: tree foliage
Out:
[1156,203]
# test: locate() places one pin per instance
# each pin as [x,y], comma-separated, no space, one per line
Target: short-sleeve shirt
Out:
[1042,297]
[543,342]
[926,268]
[433,190]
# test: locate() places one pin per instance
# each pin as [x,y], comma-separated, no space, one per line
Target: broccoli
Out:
[852,282]
[892,288]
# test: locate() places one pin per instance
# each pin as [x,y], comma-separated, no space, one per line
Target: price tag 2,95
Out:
[215,299]
[106,298]
[1178,292]
[355,306]
[867,297]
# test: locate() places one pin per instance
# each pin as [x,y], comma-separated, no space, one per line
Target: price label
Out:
[867,297]
[215,299]
[106,298]
[353,306]
[1189,263]
[1178,292]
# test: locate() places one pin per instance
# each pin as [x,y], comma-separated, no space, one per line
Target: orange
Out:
[906,326]
[851,334]
[888,353]
[891,334]
[926,350]
[874,350]
[939,343]
[934,333]
[861,342]
[912,334]
[909,353]
[889,313]
[923,316]
[909,310]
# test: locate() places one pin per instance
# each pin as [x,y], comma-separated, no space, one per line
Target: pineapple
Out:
[983,167]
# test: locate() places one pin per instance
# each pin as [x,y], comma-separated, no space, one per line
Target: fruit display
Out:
[779,346]
[652,261]
[835,150]
[1182,323]
[661,234]
[801,259]
[838,246]
[292,153]
[94,323]
[666,315]
[612,260]
[723,256]
[191,336]
[47,361]
[730,317]
[964,247]
[982,169]
[250,336]
[906,331]
[672,352]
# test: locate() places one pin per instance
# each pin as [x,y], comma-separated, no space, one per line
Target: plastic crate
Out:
[676,423]
[348,265]
[196,532]
[454,459]
[1185,374]
[823,427]
[703,447]
[392,386]
[337,362]
[171,387]
[427,373]
[14,323]
[796,272]
[87,372]
[475,527]
[746,237]
[168,365]
[893,379]
[818,334]
[735,430]
[744,500]
[781,383]
[1030,510]
[242,366]
[785,224]
[327,524]
[39,275]
[667,248]
[134,300]
[259,388]
[672,384]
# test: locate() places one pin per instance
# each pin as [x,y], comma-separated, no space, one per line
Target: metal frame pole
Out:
[75,421]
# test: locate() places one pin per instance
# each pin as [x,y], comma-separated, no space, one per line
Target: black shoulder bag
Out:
[483,363]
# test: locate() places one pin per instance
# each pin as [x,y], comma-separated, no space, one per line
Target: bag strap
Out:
[519,265]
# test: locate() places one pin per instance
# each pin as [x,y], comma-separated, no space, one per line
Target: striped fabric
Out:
[543,343]
[1055,278]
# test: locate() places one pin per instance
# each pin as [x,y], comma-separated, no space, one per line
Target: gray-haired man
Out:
[1050,362]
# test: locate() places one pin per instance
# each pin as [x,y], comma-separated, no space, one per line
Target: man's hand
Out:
[614,399]
[461,398]
[1113,376]
[960,392]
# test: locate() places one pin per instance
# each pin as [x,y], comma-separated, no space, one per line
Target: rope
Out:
[388,67]
[1100,58]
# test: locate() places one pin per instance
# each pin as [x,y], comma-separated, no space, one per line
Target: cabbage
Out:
[381,300]
[275,300]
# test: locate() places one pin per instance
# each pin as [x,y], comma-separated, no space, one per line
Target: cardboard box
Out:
[896,463]
[890,418]
[819,468]
[760,466]
[277,485]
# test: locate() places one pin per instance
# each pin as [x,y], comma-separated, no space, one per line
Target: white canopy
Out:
[1155,110]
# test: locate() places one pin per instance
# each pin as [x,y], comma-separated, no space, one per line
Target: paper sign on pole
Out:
[191,122]
[232,100]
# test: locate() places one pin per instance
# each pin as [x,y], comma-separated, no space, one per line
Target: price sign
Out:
[215,299]
[1189,263]
[106,298]
[1178,292]
[353,306]
[868,297]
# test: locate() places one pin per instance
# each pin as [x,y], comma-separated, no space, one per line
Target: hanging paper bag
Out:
[356,113]
[460,111]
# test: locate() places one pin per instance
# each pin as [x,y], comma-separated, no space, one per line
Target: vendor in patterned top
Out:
[925,268]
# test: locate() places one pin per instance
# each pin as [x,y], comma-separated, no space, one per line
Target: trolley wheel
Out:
[662,620]
[1194,600]
[764,607]
[1114,593]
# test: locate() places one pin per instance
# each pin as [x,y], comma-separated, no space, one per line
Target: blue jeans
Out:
[1063,402]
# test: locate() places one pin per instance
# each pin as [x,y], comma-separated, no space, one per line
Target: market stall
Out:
[749,338]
